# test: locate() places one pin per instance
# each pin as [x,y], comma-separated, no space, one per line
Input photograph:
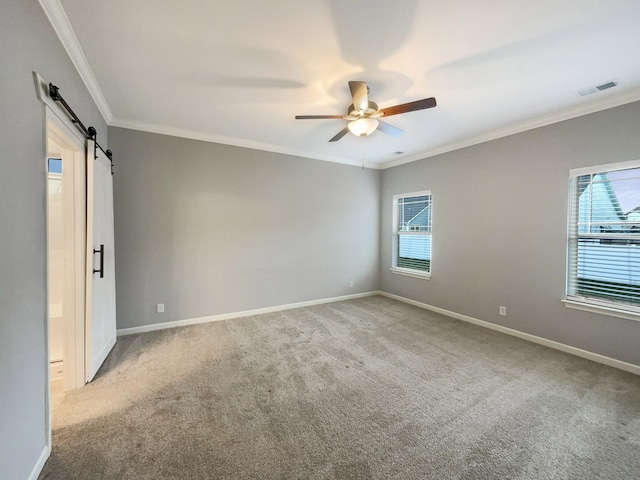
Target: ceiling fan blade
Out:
[360,94]
[408,107]
[317,117]
[340,134]
[389,129]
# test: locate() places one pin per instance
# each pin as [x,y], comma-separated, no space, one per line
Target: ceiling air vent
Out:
[597,88]
[604,86]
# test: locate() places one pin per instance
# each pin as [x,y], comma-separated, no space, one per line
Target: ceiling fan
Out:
[364,116]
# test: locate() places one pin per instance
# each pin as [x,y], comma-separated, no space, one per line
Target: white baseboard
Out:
[596,357]
[37,468]
[246,313]
[56,370]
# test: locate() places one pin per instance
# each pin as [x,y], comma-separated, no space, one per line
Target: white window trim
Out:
[608,167]
[408,271]
[603,307]
[589,305]
[411,273]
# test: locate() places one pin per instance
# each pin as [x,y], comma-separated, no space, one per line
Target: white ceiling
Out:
[238,72]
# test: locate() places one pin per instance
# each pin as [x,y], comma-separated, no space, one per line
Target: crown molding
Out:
[236,142]
[60,22]
[604,103]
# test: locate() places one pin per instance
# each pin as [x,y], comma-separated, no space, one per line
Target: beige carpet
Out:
[362,389]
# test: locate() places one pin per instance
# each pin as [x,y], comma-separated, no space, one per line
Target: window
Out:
[412,234]
[54,165]
[603,267]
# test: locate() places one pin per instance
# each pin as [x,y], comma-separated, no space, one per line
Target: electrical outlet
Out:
[502,311]
[351,284]
[160,308]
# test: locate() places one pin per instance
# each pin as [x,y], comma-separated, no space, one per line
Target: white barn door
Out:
[100,327]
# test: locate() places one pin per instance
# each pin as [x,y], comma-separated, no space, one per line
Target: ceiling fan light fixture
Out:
[363,126]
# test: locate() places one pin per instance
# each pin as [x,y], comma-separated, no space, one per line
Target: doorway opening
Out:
[66,224]
[55,277]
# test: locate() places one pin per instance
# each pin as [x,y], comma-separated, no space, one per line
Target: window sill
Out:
[601,309]
[411,273]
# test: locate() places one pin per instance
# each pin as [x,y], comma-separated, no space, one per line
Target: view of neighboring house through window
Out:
[604,237]
[412,233]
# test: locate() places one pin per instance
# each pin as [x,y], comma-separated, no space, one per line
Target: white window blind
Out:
[604,237]
[412,232]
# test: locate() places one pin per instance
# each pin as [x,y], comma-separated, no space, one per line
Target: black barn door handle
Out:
[101,269]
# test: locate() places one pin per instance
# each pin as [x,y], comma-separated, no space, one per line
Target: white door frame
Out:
[59,126]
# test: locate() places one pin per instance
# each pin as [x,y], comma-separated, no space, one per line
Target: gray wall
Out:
[209,229]
[27,43]
[499,229]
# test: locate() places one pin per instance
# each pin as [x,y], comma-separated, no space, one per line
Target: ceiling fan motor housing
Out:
[370,112]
